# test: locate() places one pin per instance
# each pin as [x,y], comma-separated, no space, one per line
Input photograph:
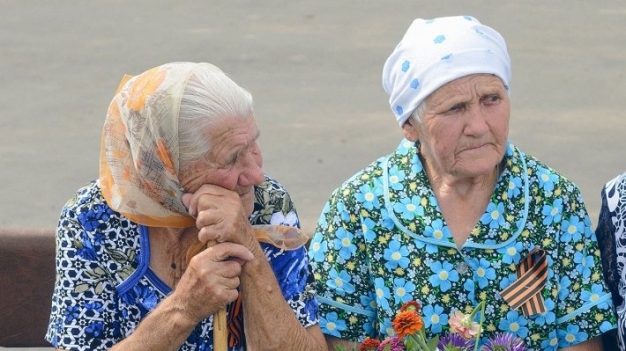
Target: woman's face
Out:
[234,161]
[464,130]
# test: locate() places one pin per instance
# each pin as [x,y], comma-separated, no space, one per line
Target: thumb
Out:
[186,199]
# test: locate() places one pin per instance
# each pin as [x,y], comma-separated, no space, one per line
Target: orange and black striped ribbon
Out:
[235,323]
[525,292]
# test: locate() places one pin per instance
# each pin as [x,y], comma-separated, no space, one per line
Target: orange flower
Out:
[411,306]
[407,323]
[369,344]
[144,85]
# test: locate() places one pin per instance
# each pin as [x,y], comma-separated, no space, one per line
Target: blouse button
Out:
[462,267]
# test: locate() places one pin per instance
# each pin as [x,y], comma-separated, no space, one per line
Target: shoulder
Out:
[272,199]
[88,209]
[614,196]
[85,209]
[95,231]
[271,192]
[370,175]
[544,176]
[271,187]
[617,184]
[84,197]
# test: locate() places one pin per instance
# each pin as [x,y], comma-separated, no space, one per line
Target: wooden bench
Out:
[27,275]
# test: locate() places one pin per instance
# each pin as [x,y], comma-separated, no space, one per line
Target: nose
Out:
[476,122]
[252,172]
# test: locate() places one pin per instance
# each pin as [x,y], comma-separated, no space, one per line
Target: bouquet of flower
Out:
[464,336]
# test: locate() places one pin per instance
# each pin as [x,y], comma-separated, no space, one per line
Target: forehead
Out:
[230,134]
[229,127]
[474,83]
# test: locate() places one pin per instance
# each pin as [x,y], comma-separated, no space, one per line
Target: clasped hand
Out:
[211,279]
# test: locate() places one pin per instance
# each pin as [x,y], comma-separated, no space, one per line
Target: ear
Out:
[410,130]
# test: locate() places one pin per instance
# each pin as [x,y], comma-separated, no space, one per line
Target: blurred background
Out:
[314,69]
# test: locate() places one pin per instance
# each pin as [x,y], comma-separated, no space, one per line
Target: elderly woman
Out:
[180,136]
[611,233]
[458,214]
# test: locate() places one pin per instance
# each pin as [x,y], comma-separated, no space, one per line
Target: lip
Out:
[476,147]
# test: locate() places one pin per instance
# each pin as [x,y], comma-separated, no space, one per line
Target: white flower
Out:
[278,218]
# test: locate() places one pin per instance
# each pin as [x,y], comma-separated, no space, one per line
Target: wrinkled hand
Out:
[211,279]
[220,216]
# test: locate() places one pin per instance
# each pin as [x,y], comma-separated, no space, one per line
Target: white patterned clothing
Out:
[611,233]
[105,287]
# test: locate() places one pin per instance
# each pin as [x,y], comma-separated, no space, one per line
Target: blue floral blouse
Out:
[104,286]
[381,240]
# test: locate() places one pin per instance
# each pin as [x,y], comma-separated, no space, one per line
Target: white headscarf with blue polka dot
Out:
[437,51]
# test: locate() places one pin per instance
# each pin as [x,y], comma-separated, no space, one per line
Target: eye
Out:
[491,99]
[456,108]
[232,159]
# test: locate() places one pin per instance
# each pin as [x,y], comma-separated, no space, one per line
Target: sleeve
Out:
[338,260]
[273,205]
[605,233]
[83,313]
[291,269]
[584,308]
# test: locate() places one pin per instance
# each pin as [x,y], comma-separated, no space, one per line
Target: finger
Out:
[230,295]
[237,260]
[190,200]
[229,270]
[232,283]
[209,217]
[214,233]
[225,251]
[193,203]
[199,202]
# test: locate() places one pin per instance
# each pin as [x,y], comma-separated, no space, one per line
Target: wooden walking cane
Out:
[281,236]
[220,329]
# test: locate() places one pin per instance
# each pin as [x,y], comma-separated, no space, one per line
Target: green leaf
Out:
[432,343]
[411,343]
[118,255]
[81,288]
[99,287]
[100,272]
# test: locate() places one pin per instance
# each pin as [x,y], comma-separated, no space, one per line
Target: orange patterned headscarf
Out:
[139,159]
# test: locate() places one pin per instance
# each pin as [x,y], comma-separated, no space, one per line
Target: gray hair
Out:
[210,96]
[418,112]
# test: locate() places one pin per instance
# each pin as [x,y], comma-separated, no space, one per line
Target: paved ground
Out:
[314,69]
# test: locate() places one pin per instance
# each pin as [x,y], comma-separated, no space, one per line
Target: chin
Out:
[477,168]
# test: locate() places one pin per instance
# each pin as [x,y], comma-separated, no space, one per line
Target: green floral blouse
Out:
[381,240]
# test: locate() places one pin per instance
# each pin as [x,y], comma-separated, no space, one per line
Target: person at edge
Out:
[611,234]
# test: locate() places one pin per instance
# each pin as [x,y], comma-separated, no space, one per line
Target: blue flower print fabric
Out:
[381,240]
[105,287]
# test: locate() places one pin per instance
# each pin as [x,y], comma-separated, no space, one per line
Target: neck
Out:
[460,186]
[168,251]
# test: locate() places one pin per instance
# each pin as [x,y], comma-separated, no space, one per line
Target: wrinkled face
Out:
[234,161]
[464,130]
